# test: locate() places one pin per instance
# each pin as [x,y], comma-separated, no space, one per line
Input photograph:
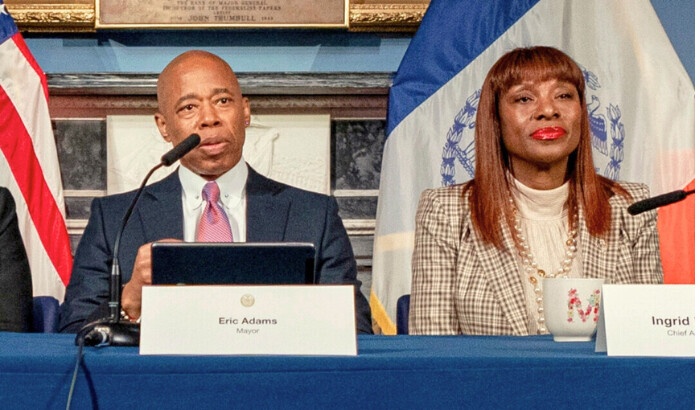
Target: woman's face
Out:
[541,126]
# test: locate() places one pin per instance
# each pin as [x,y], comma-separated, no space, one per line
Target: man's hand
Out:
[141,276]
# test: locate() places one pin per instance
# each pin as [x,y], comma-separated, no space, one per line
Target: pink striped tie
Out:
[213,225]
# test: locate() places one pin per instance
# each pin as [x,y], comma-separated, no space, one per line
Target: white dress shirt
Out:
[232,200]
[545,224]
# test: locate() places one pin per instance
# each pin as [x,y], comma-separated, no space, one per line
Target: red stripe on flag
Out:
[677,240]
[22,47]
[16,144]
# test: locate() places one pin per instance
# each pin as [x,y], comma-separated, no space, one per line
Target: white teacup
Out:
[571,307]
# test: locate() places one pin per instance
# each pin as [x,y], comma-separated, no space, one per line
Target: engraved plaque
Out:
[220,13]
[293,149]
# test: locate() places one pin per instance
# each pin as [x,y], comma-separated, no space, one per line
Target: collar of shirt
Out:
[537,204]
[231,185]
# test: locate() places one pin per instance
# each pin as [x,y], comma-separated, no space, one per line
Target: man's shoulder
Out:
[170,182]
[7,202]
[124,199]
[259,184]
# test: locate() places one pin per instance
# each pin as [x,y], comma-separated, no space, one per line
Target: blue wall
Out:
[278,51]
[678,18]
[246,51]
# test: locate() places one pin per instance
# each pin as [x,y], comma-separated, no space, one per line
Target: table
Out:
[389,372]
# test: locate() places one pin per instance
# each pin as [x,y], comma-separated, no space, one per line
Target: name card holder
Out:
[248,320]
[647,320]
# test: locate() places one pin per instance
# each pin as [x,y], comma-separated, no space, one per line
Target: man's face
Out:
[200,94]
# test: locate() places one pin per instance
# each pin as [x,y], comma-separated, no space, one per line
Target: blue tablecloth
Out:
[389,372]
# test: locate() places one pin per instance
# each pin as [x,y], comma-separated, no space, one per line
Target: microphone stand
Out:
[111,330]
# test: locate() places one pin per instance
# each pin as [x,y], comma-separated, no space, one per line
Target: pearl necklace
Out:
[533,271]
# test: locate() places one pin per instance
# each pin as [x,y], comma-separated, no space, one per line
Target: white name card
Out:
[647,320]
[232,320]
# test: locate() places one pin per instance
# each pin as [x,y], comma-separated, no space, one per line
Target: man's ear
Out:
[160,123]
[246,110]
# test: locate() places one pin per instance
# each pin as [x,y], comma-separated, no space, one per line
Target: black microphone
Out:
[180,150]
[109,330]
[657,201]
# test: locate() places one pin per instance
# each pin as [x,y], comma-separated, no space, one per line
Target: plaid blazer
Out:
[462,285]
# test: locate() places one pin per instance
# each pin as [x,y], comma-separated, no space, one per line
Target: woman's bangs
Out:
[536,67]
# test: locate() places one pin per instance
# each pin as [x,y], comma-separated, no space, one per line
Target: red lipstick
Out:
[548,133]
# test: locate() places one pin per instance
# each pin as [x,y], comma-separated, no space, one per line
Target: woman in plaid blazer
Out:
[535,209]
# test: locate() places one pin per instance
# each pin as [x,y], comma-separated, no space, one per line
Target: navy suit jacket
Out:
[15,277]
[275,212]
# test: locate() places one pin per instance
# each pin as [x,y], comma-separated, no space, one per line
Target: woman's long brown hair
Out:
[489,191]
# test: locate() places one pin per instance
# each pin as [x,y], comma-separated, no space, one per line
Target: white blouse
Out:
[545,225]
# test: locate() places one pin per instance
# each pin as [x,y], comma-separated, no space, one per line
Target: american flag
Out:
[29,163]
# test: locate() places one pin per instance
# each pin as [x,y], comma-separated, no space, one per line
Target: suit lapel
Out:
[267,212]
[599,253]
[501,270]
[160,209]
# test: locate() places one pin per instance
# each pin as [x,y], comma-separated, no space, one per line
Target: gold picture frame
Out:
[383,17]
[205,14]
[51,16]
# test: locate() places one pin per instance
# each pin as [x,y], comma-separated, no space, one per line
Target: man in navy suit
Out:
[15,277]
[199,93]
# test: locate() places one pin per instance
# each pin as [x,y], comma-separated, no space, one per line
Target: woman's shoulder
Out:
[451,198]
[637,191]
[449,193]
